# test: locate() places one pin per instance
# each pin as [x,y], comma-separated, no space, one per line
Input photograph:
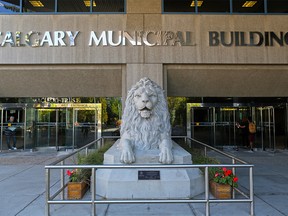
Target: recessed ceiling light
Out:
[249,3]
[199,3]
[87,3]
[36,3]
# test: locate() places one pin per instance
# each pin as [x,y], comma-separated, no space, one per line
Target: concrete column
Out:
[134,72]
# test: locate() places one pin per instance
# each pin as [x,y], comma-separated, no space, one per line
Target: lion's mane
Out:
[146,133]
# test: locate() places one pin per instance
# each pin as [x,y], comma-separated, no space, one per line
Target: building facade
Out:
[193,55]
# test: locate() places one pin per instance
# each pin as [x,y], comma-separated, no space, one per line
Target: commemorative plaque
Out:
[148,175]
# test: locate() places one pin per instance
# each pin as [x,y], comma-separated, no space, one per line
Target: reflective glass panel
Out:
[72,6]
[31,6]
[9,6]
[222,6]
[277,6]
[106,6]
[178,6]
[243,6]
[112,6]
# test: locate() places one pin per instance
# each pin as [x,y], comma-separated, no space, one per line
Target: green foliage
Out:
[198,155]
[93,158]
[223,175]
[177,109]
[104,110]
[217,174]
[114,110]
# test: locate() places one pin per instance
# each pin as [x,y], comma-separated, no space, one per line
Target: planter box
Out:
[220,191]
[76,190]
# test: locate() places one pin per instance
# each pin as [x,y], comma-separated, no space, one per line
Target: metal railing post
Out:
[234,172]
[251,191]
[47,206]
[102,142]
[207,205]
[62,173]
[93,191]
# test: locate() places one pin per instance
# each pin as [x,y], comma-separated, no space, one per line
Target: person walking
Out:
[244,126]
[10,132]
[252,132]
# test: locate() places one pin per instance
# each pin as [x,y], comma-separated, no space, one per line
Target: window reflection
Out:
[31,6]
[108,6]
[244,6]
[72,6]
[215,6]
[10,6]
[178,6]
[69,6]
[225,6]
[118,6]
[277,6]
[112,6]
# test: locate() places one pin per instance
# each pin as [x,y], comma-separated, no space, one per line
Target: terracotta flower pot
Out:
[76,190]
[220,191]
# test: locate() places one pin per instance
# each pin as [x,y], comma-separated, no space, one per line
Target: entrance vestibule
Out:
[215,124]
[52,125]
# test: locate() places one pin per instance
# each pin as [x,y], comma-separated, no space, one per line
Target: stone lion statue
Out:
[146,122]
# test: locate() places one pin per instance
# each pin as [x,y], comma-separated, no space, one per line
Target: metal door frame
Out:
[17,106]
[11,106]
[97,121]
[190,119]
[270,123]
[271,127]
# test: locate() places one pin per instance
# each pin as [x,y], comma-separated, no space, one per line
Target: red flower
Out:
[228,172]
[69,173]
[224,169]
[235,179]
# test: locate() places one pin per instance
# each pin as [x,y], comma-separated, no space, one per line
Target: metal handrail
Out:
[212,148]
[86,147]
[50,199]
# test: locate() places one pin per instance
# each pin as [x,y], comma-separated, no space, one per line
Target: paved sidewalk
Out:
[22,189]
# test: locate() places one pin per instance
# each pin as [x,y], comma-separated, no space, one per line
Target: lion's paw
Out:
[166,156]
[127,157]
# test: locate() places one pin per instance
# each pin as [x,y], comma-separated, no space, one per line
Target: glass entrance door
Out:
[266,121]
[46,121]
[216,125]
[85,126]
[13,131]
[225,118]
[51,125]
[203,124]
[67,125]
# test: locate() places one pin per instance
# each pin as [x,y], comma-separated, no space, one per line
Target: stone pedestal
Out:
[125,184]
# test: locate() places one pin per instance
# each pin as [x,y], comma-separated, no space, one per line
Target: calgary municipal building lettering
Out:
[38,39]
[141,38]
[253,38]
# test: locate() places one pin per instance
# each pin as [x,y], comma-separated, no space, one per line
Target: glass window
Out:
[222,6]
[105,6]
[9,6]
[179,6]
[112,6]
[277,6]
[72,6]
[246,6]
[31,6]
